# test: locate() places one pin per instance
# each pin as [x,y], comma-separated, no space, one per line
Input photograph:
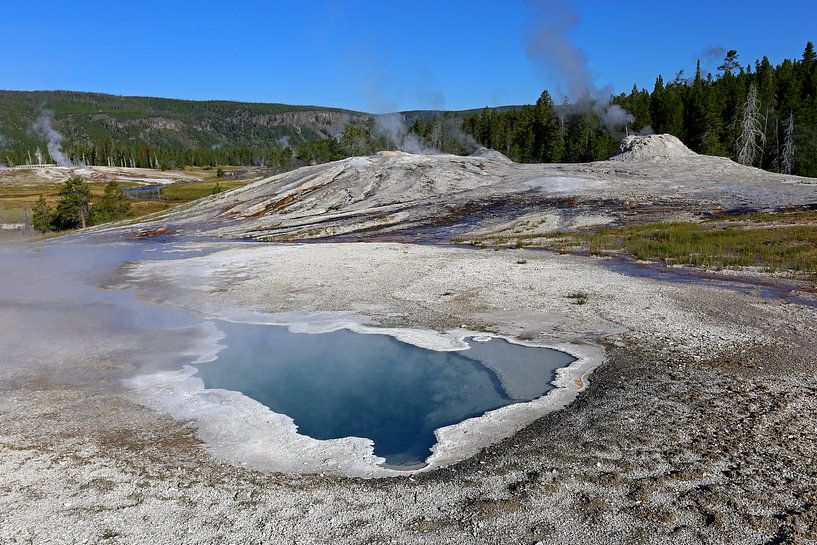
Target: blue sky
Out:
[375,56]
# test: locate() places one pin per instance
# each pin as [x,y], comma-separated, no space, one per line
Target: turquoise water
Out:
[344,384]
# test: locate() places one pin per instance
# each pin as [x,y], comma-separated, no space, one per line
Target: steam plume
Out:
[390,124]
[394,128]
[711,57]
[614,116]
[42,127]
[714,52]
[549,46]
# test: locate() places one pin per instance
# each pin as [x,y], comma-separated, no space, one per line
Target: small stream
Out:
[760,287]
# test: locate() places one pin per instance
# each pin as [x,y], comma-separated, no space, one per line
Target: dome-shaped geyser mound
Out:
[651,148]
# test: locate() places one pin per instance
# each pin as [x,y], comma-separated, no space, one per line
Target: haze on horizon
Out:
[379,57]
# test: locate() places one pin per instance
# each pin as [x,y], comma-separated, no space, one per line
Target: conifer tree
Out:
[730,63]
[74,205]
[113,206]
[41,216]
[808,53]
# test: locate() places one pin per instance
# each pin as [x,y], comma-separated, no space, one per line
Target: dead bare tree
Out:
[27,229]
[751,140]
[435,138]
[787,160]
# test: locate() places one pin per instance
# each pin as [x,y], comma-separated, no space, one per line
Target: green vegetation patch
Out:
[798,216]
[792,246]
[578,297]
[197,190]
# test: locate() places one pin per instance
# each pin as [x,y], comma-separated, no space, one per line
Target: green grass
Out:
[25,196]
[792,216]
[781,240]
[11,215]
[792,246]
[15,198]
[197,190]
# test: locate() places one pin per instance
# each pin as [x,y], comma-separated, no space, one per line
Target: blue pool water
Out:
[344,384]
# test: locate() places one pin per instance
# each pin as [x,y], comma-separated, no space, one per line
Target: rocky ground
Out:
[659,450]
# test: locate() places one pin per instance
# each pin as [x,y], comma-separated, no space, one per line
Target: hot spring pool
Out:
[345,384]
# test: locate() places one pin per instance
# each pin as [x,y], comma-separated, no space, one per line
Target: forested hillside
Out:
[139,131]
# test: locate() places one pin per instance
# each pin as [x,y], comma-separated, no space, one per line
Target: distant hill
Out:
[67,127]
[426,115]
[86,118]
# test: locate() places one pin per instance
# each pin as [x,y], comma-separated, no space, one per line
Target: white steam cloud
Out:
[43,128]
[394,128]
[390,124]
[615,116]
[549,46]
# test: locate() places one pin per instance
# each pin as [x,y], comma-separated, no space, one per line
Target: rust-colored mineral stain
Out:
[156,232]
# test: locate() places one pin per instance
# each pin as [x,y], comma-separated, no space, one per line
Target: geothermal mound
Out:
[650,148]
[438,197]
[486,153]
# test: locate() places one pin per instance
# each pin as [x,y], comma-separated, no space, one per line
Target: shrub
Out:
[578,297]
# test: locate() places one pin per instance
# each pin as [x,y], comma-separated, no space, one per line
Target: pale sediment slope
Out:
[40,174]
[438,196]
[437,289]
[696,408]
